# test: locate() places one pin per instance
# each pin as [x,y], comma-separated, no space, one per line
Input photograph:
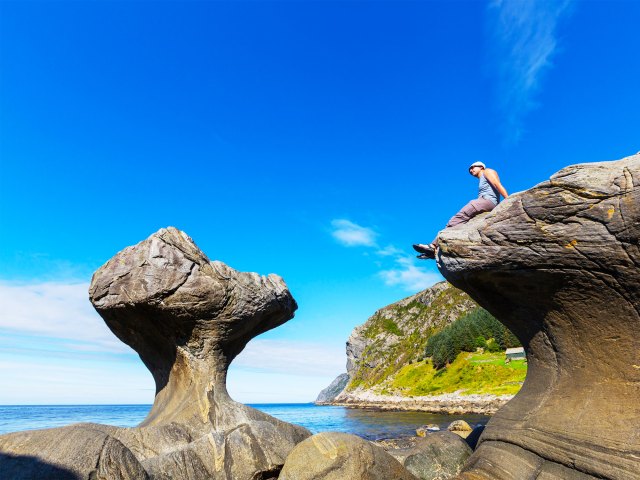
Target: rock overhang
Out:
[559,264]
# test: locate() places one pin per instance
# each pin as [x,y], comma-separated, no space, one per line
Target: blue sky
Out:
[316,140]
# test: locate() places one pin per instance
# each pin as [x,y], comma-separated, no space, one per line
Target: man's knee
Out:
[482,205]
[463,216]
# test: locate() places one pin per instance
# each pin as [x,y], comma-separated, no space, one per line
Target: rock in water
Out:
[559,264]
[188,318]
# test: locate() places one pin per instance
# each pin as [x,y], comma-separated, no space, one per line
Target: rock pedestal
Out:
[188,318]
[559,264]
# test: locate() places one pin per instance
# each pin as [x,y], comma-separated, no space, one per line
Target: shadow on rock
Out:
[32,468]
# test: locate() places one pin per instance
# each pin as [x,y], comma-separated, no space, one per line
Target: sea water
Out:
[369,424]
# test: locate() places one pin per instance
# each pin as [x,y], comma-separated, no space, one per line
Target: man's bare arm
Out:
[493,179]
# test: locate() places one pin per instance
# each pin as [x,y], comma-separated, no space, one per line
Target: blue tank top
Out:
[486,190]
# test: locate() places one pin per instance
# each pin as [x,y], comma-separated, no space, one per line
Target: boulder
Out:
[425,430]
[73,452]
[460,428]
[559,265]
[438,456]
[340,456]
[396,443]
[188,318]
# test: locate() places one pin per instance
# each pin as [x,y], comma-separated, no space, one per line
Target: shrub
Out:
[476,329]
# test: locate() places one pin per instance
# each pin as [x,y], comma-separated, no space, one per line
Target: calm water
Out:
[365,423]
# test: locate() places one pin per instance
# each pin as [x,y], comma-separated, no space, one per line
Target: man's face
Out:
[475,171]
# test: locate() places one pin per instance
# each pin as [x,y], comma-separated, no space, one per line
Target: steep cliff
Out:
[387,367]
[397,334]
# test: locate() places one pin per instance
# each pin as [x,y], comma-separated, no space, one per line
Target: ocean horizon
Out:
[367,423]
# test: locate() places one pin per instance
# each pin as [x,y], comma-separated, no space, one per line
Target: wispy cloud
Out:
[397,269]
[389,251]
[409,276]
[524,39]
[292,357]
[58,310]
[351,234]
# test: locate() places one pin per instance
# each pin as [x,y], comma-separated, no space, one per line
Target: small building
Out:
[515,354]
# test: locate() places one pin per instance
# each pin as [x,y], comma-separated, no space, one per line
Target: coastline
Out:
[449,403]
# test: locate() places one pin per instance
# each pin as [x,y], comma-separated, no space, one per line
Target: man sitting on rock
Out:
[489,191]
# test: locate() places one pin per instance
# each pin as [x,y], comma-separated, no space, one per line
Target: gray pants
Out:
[470,210]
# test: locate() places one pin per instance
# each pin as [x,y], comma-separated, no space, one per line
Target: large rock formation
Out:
[188,318]
[559,264]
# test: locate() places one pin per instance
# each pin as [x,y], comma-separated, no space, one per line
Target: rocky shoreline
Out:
[449,403]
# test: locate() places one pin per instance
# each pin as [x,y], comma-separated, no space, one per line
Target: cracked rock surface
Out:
[187,318]
[559,264]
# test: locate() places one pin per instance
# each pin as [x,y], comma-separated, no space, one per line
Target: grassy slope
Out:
[412,324]
[477,373]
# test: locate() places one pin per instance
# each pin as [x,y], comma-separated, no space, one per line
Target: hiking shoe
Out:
[421,248]
[427,256]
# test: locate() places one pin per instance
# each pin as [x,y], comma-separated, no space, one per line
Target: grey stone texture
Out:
[559,265]
[187,318]
[341,456]
[437,456]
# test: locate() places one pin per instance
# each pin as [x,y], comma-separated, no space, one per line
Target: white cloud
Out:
[409,276]
[524,36]
[46,380]
[351,234]
[56,310]
[292,357]
[388,251]
[404,272]
[267,387]
[284,371]
[53,344]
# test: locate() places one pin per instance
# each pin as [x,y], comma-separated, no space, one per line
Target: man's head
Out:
[475,168]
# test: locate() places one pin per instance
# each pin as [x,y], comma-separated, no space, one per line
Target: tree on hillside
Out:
[476,329]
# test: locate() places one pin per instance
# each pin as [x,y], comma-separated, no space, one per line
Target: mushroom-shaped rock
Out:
[341,456]
[187,318]
[559,264]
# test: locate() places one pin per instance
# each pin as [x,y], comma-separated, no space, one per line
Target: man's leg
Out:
[470,210]
[466,213]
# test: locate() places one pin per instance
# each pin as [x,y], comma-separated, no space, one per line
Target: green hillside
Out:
[438,341]
[477,373]
[397,335]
